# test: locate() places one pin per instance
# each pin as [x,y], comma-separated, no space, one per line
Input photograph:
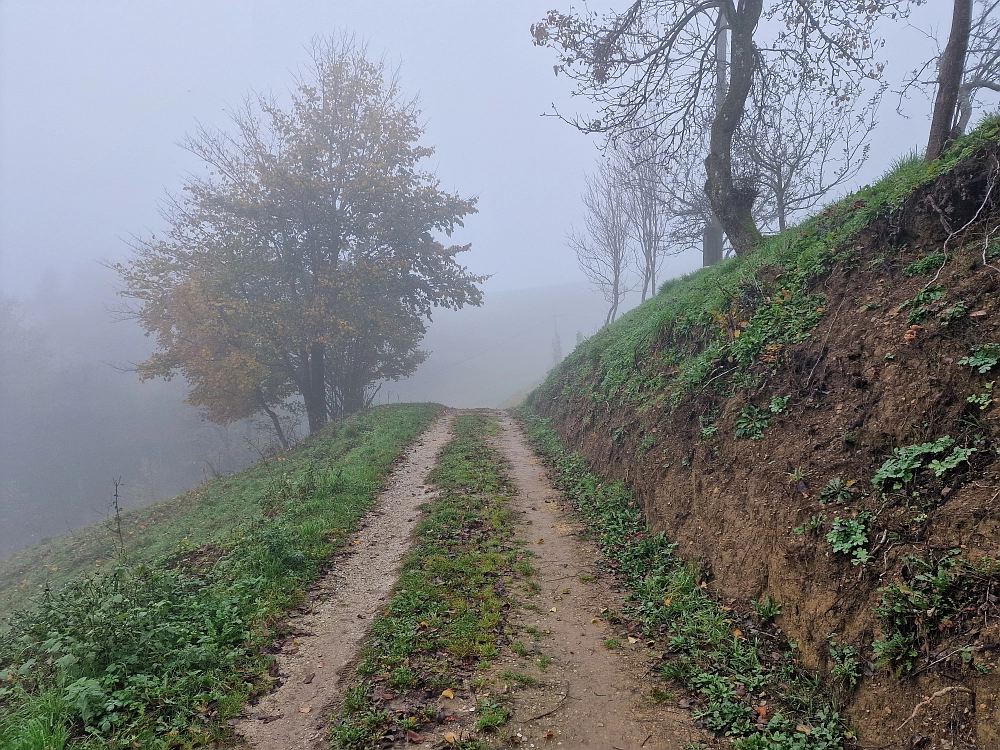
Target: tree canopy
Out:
[301,268]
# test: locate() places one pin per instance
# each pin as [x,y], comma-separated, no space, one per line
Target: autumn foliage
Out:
[300,269]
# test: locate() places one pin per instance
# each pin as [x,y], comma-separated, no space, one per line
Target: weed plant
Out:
[905,463]
[159,654]
[710,655]
[944,595]
[447,609]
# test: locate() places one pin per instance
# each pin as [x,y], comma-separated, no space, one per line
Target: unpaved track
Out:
[592,697]
[356,587]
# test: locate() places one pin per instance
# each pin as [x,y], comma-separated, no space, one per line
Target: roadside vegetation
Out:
[429,651]
[163,647]
[712,327]
[744,677]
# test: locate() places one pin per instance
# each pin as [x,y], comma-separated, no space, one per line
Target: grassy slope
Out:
[200,517]
[725,330]
[164,647]
[695,322]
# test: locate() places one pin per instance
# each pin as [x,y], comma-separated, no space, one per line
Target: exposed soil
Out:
[312,662]
[865,382]
[589,695]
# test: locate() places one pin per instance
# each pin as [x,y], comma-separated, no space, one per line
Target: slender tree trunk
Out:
[950,73]
[276,423]
[314,394]
[732,204]
[712,238]
[779,200]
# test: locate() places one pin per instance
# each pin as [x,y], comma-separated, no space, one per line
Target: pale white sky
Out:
[95,95]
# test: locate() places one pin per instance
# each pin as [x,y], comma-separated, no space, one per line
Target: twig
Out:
[937,661]
[926,701]
[553,710]
[825,342]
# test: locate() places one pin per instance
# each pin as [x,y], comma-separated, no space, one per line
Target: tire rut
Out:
[313,666]
[592,696]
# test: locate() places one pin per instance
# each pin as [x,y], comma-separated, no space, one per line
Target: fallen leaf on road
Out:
[448,693]
[450,738]
[414,737]
[633,640]
[305,709]
[548,735]
[552,610]
[309,678]
[594,620]
[541,541]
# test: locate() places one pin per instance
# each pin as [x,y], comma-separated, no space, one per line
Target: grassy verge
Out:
[203,516]
[159,650]
[446,614]
[746,682]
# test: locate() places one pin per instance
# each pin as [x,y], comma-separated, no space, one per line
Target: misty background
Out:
[95,96]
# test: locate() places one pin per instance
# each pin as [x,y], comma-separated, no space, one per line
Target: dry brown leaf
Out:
[450,737]
[305,709]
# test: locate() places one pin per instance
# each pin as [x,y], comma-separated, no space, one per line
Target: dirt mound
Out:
[827,439]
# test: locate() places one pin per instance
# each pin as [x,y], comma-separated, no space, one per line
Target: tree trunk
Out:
[733,204]
[276,423]
[314,394]
[950,73]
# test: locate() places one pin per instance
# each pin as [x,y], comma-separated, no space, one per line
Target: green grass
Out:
[448,607]
[710,655]
[724,326]
[162,648]
[207,514]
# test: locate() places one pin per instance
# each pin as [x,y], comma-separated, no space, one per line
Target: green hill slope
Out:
[157,647]
[814,423]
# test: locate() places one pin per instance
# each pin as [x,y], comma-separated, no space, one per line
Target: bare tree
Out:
[652,69]
[980,70]
[640,174]
[798,147]
[950,70]
[603,251]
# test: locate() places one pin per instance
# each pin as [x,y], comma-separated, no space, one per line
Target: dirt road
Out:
[589,695]
[575,691]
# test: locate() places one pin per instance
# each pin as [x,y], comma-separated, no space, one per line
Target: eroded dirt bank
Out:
[312,662]
[866,381]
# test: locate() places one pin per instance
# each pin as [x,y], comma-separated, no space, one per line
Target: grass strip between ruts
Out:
[447,611]
[159,653]
[745,686]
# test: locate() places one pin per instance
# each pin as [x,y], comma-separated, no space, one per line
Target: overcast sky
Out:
[96,95]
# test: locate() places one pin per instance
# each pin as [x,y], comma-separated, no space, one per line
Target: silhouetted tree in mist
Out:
[301,269]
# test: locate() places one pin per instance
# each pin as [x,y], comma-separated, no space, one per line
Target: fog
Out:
[94,98]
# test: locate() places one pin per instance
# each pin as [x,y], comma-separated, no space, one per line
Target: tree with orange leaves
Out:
[302,268]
